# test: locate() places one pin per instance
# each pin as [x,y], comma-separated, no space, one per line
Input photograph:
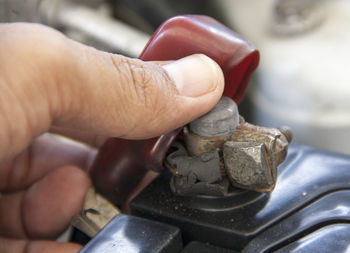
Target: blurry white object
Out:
[303,79]
[87,21]
[95,24]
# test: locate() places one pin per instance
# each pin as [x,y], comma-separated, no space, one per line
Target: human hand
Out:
[49,83]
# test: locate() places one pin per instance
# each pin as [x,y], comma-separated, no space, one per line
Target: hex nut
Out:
[246,165]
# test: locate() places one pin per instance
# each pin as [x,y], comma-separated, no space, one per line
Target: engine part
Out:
[248,158]
[222,120]
[134,234]
[121,164]
[94,26]
[246,165]
[196,175]
[205,248]
[276,141]
[205,168]
[308,210]
[196,144]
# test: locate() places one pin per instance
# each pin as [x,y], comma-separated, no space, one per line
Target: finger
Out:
[45,209]
[161,63]
[46,153]
[52,247]
[49,79]
[89,138]
[8,245]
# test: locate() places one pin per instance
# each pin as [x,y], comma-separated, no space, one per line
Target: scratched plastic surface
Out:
[129,234]
[121,164]
[312,192]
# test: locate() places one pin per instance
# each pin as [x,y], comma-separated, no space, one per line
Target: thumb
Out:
[128,98]
[58,81]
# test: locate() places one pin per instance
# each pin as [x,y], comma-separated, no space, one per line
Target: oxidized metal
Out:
[210,131]
[246,165]
[275,141]
[222,120]
[248,158]
[196,174]
[196,144]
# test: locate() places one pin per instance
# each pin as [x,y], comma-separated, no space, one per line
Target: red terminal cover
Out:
[181,36]
[121,164]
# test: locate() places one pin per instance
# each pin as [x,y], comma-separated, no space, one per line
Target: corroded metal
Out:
[248,158]
[96,213]
[195,175]
[183,188]
[222,120]
[247,166]
[196,144]
[276,142]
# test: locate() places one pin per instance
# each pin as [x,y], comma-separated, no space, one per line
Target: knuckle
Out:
[148,93]
[142,83]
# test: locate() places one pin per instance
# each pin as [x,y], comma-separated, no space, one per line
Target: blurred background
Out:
[302,80]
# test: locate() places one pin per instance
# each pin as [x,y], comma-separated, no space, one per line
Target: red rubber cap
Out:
[181,36]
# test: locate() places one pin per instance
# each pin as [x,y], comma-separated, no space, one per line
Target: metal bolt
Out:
[287,132]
